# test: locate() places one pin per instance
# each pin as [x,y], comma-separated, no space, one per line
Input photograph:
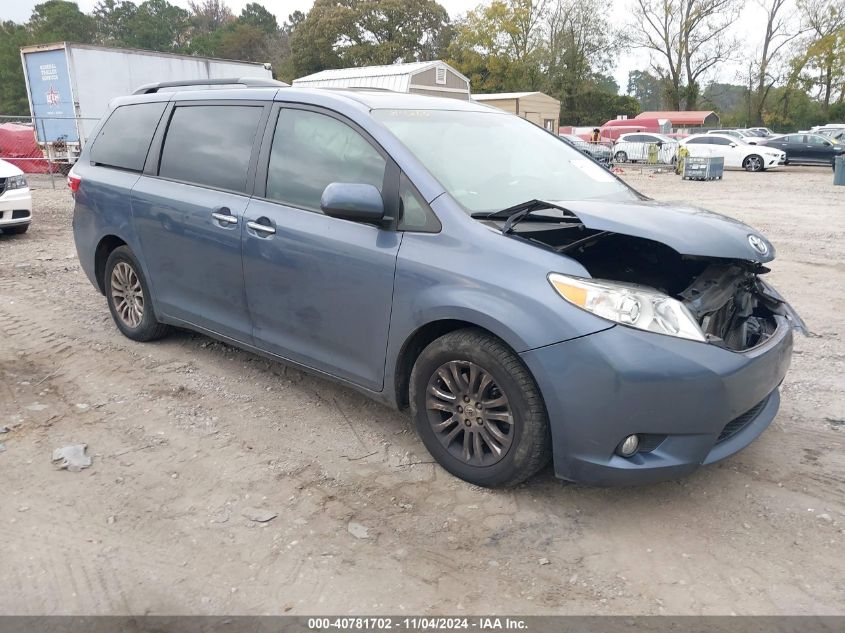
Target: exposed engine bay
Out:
[733,306]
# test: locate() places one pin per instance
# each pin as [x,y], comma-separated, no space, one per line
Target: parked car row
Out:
[736,152]
[752,149]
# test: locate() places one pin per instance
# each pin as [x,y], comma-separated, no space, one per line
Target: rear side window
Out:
[312,150]
[210,145]
[125,137]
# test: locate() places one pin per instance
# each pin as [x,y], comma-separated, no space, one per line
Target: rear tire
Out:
[128,296]
[16,230]
[620,157]
[478,410]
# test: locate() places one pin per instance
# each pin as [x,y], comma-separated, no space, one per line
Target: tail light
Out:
[73,182]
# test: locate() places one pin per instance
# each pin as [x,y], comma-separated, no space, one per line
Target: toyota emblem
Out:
[758,244]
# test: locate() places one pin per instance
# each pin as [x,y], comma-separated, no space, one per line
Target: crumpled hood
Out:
[687,230]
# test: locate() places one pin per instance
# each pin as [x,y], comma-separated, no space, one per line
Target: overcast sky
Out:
[626,60]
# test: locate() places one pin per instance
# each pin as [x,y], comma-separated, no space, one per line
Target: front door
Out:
[819,150]
[189,215]
[319,289]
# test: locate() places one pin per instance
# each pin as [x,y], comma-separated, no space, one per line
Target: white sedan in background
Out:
[15,200]
[634,147]
[736,153]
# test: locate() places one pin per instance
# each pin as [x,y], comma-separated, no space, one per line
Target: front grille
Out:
[740,422]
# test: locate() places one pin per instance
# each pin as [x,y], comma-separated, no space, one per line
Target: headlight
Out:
[634,306]
[16,182]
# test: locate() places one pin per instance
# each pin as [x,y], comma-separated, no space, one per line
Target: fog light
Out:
[629,446]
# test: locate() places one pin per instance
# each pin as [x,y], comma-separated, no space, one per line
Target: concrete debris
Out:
[357,530]
[73,457]
[259,515]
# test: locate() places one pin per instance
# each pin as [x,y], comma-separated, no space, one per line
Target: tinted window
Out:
[720,141]
[210,145]
[645,138]
[125,138]
[816,140]
[311,151]
[699,141]
[792,138]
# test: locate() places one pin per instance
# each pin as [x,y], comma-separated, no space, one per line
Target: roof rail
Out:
[249,82]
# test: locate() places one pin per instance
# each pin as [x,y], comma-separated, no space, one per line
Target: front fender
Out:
[488,280]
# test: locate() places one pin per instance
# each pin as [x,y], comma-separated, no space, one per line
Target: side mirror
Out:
[355,202]
[733,144]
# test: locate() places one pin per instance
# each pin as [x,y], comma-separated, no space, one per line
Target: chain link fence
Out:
[43,145]
[626,154]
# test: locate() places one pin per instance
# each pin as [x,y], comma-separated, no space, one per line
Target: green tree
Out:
[576,52]
[820,68]
[646,89]
[254,14]
[342,33]
[59,20]
[12,87]
[243,41]
[207,16]
[159,26]
[499,46]
[112,19]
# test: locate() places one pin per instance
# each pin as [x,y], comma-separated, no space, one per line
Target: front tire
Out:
[753,163]
[620,157]
[128,296]
[478,410]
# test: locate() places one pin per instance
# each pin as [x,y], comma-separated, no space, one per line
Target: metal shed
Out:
[537,107]
[688,119]
[435,78]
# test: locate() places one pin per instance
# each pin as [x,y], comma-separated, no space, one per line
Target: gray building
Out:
[435,78]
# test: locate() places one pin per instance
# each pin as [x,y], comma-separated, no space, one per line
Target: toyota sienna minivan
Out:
[437,254]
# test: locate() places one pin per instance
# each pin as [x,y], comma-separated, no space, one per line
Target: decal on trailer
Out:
[50,96]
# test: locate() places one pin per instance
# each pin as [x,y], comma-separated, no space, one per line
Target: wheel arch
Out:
[418,341]
[105,246]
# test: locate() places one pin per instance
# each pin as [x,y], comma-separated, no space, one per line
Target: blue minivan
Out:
[442,256]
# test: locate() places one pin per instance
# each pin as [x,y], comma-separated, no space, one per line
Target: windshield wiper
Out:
[518,212]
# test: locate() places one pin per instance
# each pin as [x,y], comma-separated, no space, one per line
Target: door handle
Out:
[223,215]
[263,228]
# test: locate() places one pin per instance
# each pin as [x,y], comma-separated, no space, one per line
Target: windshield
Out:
[489,161]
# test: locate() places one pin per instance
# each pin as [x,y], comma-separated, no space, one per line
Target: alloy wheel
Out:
[127,294]
[753,163]
[469,413]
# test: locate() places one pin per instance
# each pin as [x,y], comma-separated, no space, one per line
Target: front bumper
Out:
[679,394]
[15,207]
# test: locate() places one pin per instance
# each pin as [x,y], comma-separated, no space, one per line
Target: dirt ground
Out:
[189,437]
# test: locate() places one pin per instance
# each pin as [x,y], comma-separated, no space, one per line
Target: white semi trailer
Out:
[70,85]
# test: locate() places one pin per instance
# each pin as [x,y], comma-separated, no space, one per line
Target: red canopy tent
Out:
[17,143]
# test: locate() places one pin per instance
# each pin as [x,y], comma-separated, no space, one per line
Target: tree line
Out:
[793,61]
